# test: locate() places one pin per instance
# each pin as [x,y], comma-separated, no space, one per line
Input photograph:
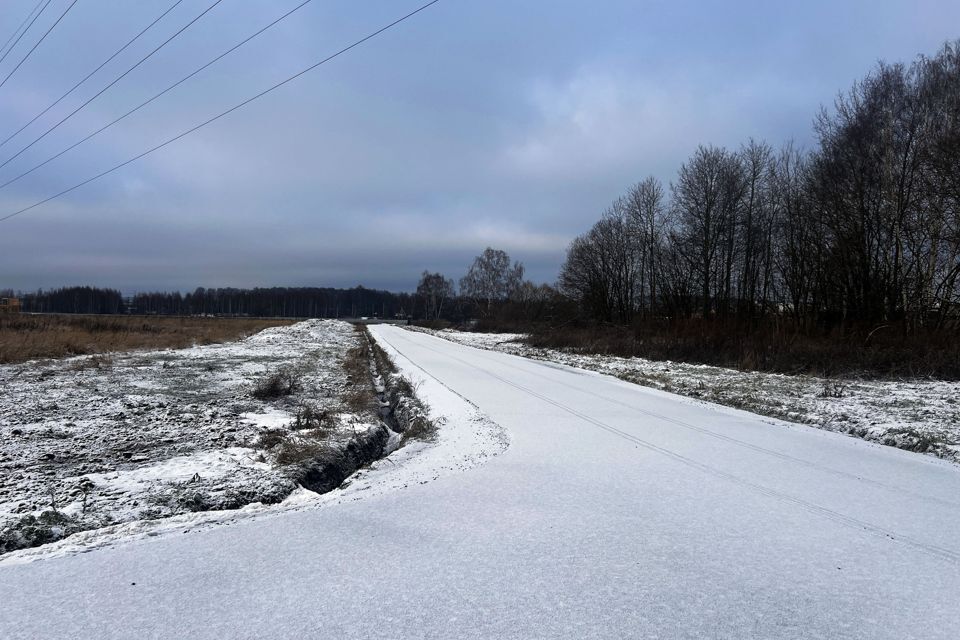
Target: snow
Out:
[615,511]
[124,437]
[466,439]
[916,414]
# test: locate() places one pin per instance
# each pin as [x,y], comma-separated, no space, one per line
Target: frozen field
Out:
[917,415]
[95,441]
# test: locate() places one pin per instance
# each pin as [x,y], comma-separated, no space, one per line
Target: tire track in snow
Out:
[831,514]
[708,432]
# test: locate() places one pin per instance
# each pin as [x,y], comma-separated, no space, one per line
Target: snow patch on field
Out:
[917,415]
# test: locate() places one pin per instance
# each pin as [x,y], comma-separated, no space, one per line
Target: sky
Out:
[473,124]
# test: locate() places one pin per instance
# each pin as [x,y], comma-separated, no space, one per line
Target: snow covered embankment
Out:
[201,451]
[916,415]
[92,442]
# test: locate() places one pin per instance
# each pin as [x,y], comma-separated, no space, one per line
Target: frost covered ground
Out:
[95,441]
[618,511]
[918,415]
[146,444]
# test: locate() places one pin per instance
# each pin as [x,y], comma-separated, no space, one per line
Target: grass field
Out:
[28,336]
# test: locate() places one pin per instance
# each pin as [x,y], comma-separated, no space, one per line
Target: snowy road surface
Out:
[617,512]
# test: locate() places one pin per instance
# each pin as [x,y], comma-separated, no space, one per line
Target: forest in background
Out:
[273,302]
[843,258]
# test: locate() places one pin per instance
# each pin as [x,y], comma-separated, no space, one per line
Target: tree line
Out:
[863,229]
[286,302]
[90,300]
[293,302]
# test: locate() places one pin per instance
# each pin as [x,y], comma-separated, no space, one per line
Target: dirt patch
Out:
[26,337]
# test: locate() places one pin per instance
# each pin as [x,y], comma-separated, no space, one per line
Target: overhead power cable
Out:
[112,82]
[148,101]
[240,105]
[42,38]
[24,32]
[17,30]
[90,75]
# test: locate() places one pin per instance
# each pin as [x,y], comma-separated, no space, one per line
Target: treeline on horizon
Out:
[285,302]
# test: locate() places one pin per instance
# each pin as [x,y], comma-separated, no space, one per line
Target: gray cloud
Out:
[495,123]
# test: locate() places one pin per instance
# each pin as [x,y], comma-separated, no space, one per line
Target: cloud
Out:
[477,124]
[608,121]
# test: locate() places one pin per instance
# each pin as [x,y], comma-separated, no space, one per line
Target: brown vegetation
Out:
[28,336]
[360,397]
[282,382]
[884,351]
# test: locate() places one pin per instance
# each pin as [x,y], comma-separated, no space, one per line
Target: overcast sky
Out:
[502,123]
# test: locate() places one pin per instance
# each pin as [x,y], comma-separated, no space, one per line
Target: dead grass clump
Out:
[270,438]
[295,450]
[32,336]
[33,531]
[360,397]
[311,417]
[282,382]
[384,363]
[410,412]
[833,390]
[97,362]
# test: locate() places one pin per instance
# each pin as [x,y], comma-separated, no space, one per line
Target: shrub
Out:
[297,450]
[309,416]
[32,531]
[270,438]
[280,383]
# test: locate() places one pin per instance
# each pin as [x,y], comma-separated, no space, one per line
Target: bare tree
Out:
[434,289]
[864,229]
[707,196]
[647,218]
[491,278]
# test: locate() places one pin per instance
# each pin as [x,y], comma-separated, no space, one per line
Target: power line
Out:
[148,101]
[17,30]
[89,75]
[112,82]
[13,46]
[223,113]
[42,38]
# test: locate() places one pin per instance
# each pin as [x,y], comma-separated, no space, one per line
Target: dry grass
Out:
[27,336]
[282,382]
[360,397]
[409,411]
[885,352]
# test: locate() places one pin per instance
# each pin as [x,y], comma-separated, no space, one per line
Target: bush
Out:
[32,531]
[299,450]
[280,383]
[270,438]
[309,416]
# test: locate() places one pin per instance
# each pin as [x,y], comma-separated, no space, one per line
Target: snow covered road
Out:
[617,512]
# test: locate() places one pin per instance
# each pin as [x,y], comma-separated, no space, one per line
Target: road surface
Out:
[616,512]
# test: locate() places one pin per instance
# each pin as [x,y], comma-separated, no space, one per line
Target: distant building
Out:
[9,305]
